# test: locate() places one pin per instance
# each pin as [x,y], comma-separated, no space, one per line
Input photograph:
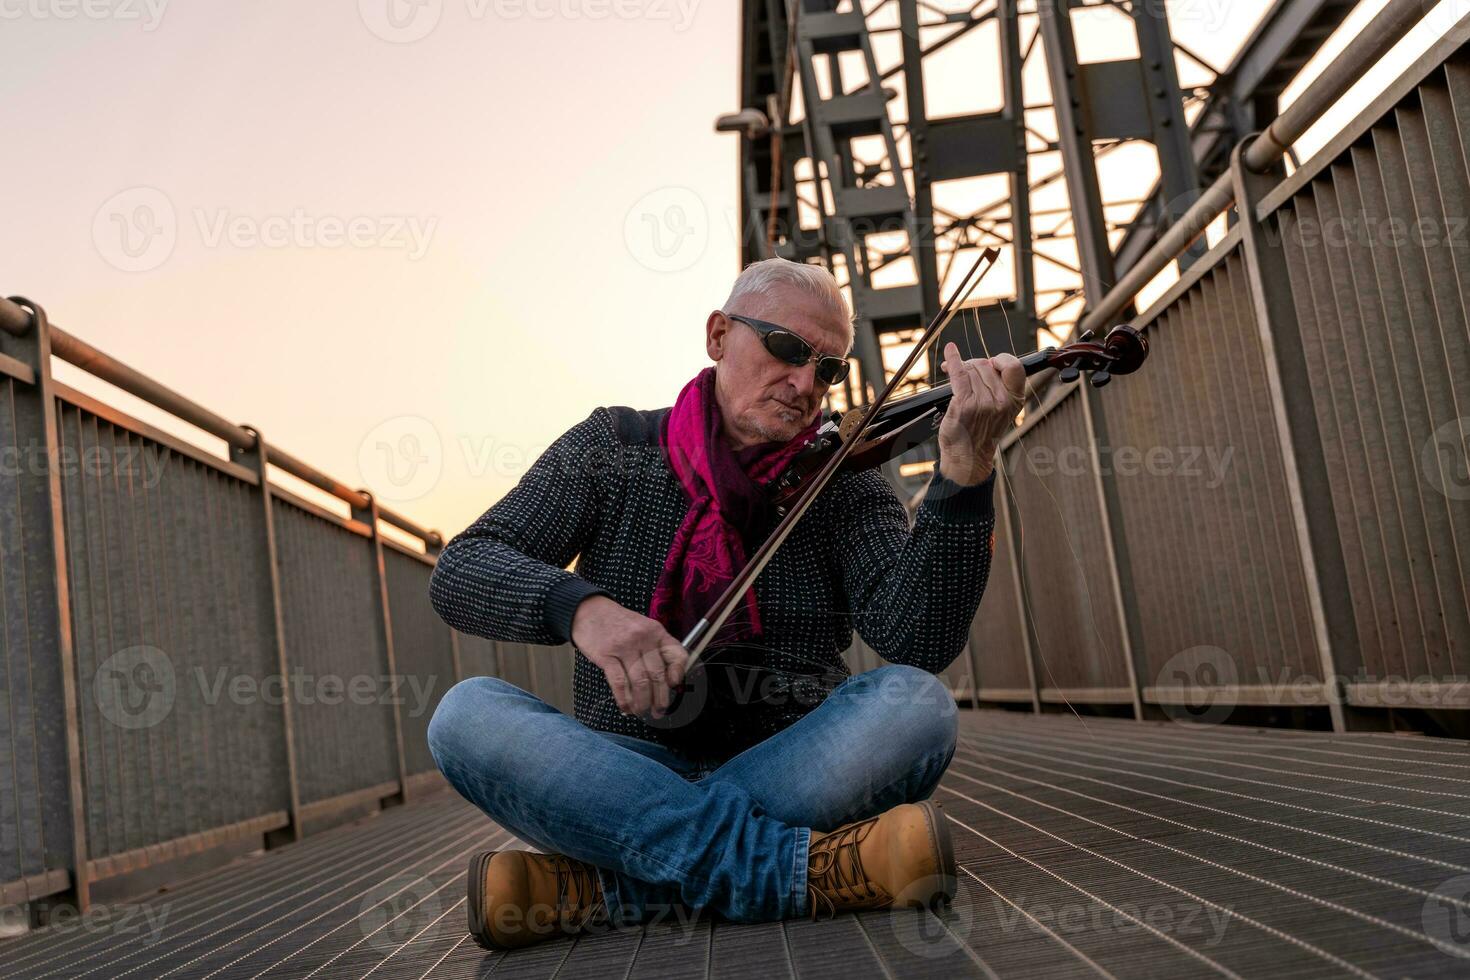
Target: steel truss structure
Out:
[844,159]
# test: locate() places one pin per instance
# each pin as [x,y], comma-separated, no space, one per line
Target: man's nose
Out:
[804,378]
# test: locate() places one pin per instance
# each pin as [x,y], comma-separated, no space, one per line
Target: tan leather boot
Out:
[517,898]
[901,858]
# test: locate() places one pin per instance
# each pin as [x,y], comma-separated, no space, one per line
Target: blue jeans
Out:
[727,837]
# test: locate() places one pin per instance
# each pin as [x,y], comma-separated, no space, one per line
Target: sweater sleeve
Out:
[913,592]
[504,576]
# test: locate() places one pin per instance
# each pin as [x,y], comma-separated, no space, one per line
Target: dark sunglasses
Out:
[787,346]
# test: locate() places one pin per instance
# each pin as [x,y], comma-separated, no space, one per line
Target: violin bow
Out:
[704,631]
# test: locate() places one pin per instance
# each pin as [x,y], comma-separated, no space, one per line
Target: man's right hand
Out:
[641,661]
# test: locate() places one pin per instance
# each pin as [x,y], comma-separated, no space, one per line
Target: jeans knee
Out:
[920,707]
[463,714]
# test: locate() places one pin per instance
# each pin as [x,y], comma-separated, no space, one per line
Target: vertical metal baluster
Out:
[257,458]
[45,536]
[369,516]
[1302,463]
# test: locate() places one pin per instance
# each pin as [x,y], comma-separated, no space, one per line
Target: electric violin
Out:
[909,422]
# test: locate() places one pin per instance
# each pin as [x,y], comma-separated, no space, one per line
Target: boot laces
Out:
[835,870]
[578,892]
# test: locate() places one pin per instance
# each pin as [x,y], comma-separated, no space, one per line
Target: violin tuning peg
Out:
[1100,378]
[1087,335]
[1068,374]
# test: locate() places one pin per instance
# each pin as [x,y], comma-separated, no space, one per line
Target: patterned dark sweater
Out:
[603,494]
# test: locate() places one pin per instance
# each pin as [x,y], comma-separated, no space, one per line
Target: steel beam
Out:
[925,259]
[1074,132]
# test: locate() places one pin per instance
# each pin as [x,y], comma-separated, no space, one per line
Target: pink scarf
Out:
[726,497]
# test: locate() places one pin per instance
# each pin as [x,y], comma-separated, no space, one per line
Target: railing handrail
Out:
[16,320]
[1385,30]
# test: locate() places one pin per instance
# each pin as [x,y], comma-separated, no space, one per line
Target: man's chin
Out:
[781,426]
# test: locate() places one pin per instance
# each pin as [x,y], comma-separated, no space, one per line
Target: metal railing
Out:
[194,661]
[1275,511]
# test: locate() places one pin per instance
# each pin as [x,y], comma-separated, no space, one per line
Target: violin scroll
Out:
[1122,351]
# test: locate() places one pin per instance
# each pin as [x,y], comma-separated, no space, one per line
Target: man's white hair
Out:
[758,278]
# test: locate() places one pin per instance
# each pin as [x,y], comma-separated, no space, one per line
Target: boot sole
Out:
[939,833]
[475,903]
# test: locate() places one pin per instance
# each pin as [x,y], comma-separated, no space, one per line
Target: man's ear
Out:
[716,334]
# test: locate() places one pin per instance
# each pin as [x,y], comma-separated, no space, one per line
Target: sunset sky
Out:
[412,244]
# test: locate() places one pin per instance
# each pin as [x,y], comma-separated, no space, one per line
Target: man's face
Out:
[764,399]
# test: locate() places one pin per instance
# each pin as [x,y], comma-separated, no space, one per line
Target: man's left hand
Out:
[988,392]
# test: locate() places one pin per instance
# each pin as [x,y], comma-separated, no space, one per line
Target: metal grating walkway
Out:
[1104,847]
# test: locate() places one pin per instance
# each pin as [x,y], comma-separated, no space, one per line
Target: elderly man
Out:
[769,783]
